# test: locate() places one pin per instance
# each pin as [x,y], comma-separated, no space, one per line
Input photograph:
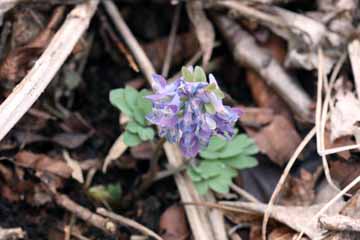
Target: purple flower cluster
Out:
[190,110]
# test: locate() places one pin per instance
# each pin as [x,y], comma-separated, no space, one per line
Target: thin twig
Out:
[85,214]
[319,140]
[138,53]
[171,43]
[119,45]
[241,192]
[283,177]
[128,222]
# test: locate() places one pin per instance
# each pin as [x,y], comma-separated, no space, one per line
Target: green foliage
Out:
[134,105]
[110,193]
[220,161]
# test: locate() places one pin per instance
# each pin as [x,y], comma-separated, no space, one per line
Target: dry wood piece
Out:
[45,68]
[199,221]
[11,233]
[128,222]
[246,51]
[85,214]
[340,223]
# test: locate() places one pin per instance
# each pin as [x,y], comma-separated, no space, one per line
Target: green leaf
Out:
[230,172]
[241,162]
[236,146]
[139,116]
[252,149]
[131,139]
[188,76]
[194,175]
[131,96]
[199,74]
[216,143]
[117,99]
[220,184]
[206,154]
[208,169]
[132,127]
[202,187]
[146,133]
[143,103]
[210,108]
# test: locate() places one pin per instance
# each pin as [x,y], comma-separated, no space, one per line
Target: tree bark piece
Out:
[30,88]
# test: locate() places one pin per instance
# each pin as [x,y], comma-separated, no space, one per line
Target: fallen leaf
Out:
[20,60]
[173,225]
[344,115]
[186,46]
[41,162]
[143,151]
[343,172]
[203,27]
[70,140]
[300,191]
[278,139]
[256,117]
[339,142]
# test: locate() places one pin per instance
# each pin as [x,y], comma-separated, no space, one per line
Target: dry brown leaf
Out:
[70,140]
[19,61]
[144,150]
[203,27]
[186,46]
[344,172]
[256,117]
[339,142]
[344,115]
[173,225]
[43,163]
[282,233]
[278,139]
[300,191]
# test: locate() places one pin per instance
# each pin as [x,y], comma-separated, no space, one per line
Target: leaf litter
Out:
[53,158]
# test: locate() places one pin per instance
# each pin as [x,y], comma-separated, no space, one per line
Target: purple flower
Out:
[190,110]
